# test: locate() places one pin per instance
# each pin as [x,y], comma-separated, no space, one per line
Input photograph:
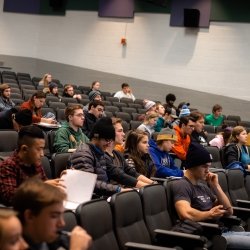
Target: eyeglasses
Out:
[191,126]
[108,140]
[79,115]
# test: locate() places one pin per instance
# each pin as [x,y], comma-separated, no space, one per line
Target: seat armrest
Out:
[134,245]
[160,180]
[172,238]
[230,221]
[241,212]
[210,229]
[243,203]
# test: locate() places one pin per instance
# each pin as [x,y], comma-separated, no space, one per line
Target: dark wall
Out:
[221,10]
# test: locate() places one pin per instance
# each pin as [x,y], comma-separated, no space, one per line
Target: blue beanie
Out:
[184,111]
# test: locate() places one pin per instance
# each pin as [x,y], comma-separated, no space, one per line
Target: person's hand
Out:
[212,179]
[217,212]
[77,96]
[57,183]
[79,239]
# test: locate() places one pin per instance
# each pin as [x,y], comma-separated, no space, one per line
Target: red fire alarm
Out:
[124,41]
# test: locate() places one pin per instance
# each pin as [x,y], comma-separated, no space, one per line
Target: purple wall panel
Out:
[22,6]
[116,8]
[177,11]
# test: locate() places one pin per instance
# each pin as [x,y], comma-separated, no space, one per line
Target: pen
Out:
[63,232]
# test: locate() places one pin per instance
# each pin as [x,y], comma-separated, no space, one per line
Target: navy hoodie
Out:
[163,162]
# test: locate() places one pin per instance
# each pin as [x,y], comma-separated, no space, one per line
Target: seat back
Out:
[128,223]
[60,162]
[47,168]
[236,185]
[215,152]
[96,218]
[70,220]
[8,139]
[154,205]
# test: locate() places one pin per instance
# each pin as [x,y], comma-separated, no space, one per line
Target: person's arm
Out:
[8,183]
[179,150]
[84,160]
[164,171]
[117,173]
[222,199]
[144,179]
[185,211]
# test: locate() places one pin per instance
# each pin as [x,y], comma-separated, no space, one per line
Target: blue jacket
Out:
[163,162]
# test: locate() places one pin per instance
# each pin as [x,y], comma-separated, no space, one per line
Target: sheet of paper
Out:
[79,187]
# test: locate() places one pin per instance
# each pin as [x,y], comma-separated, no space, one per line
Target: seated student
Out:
[222,138]
[150,106]
[133,178]
[95,86]
[199,202]
[70,135]
[183,132]
[125,92]
[184,111]
[149,123]
[95,112]
[35,104]
[216,118]
[170,99]
[159,153]
[11,231]
[53,90]
[236,152]
[5,102]
[93,96]
[160,110]
[14,119]
[198,135]
[69,92]
[136,153]
[90,157]
[40,209]
[45,81]
[24,163]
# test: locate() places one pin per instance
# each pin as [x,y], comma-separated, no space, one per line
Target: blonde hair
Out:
[150,116]
[44,80]
[236,132]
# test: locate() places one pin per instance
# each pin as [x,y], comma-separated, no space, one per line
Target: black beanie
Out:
[104,129]
[24,117]
[197,155]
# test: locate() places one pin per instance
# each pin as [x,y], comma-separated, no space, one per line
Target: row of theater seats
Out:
[151,216]
[147,224]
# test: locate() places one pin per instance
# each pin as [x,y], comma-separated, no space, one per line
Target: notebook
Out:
[79,187]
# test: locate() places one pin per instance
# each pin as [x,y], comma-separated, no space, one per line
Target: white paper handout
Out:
[79,187]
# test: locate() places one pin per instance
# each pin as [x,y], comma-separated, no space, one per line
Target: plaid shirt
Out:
[13,172]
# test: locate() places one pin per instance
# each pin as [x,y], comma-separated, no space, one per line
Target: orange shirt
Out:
[119,148]
[36,114]
[180,147]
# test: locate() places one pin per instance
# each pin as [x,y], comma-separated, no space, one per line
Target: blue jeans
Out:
[237,240]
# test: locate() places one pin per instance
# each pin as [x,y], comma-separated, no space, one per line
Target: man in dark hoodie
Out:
[70,135]
[90,157]
[96,109]
[159,153]
[198,135]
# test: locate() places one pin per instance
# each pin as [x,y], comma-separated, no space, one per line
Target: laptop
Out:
[79,187]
